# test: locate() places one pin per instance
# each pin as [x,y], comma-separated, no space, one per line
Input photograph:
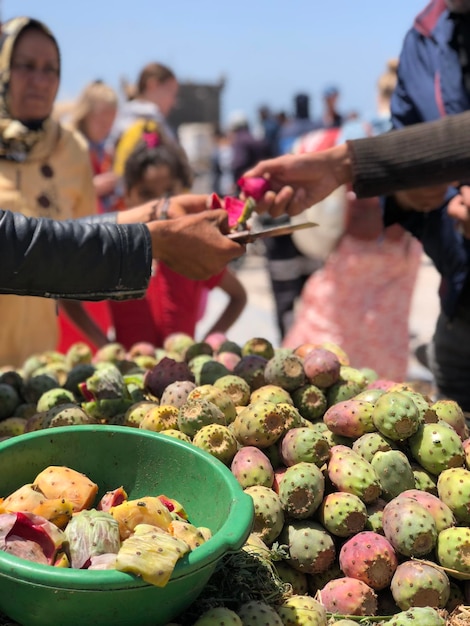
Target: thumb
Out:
[220,218]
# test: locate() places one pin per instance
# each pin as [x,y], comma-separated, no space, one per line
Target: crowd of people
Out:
[111,182]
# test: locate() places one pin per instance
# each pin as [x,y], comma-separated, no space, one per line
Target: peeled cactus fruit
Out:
[150,553]
[63,482]
[188,533]
[149,510]
[91,533]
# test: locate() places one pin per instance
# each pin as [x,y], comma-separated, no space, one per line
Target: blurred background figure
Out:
[155,95]
[361,297]
[268,129]
[299,124]
[222,181]
[172,303]
[246,149]
[331,117]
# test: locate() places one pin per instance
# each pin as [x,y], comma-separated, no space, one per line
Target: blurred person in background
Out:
[331,117]
[246,149]
[45,171]
[222,182]
[172,303]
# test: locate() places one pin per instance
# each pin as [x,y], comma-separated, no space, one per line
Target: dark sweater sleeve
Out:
[417,156]
[73,259]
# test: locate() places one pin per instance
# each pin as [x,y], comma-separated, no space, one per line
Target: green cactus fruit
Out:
[304,444]
[176,434]
[374,516]
[453,549]
[160,417]
[271,393]
[409,527]
[76,375]
[424,616]
[196,364]
[259,347]
[342,390]
[259,424]
[302,611]
[369,557]
[251,369]
[310,400]
[219,616]
[177,393]
[136,413]
[35,386]
[370,395]
[453,487]
[349,472]
[54,397]
[67,415]
[348,596]
[310,546]
[394,472]
[342,514]
[424,481]
[230,346]
[12,426]
[218,440]
[178,343]
[290,415]
[350,418]
[210,371]
[428,414]
[420,584]
[257,613]
[286,371]
[111,352]
[251,466]
[218,397]
[318,581]
[368,444]
[437,447]
[301,490]
[194,414]
[9,400]
[236,387]
[197,348]
[14,379]
[456,596]
[297,580]
[269,515]
[79,353]
[442,514]
[105,410]
[396,416]
[450,412]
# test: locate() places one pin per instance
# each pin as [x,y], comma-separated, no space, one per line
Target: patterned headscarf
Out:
[16,139]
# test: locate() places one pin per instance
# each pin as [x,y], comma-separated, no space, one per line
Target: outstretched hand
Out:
[300,181]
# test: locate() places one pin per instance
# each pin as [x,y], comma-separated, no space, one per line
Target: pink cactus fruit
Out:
[369,557]
[381,383]
[177,393]
[453,486]
[112,498]
[254,186]
[300,610]
[420,584]
[437,447]
[215,340]
[279,473]
[304,445]
[449,411]
[442,514]
[321,367]
[301,490]
[409,527]
[251,466]
[141,348]
[310,546]
[348,471]
[228,359]
[343,514]
[350,418]
[269,514]
[348,596]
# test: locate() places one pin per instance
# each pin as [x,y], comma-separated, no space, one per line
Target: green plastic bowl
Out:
[145,464]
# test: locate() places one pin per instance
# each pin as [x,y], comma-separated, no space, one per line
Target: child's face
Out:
[99,122]
[156,182]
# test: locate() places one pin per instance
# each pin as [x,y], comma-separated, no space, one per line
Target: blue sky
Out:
[268,50]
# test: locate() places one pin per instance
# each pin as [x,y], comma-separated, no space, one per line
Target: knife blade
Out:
[248,236]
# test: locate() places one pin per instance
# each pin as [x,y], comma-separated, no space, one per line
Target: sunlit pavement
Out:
[257,320]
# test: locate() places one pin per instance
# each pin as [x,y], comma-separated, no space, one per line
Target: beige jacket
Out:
[55,181]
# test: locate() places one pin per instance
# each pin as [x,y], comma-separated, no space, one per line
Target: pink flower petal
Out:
[253,187]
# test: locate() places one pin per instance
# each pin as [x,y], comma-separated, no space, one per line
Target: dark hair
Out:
[160,72]
[143,157]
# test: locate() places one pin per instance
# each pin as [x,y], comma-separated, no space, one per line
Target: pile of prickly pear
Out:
[361,486]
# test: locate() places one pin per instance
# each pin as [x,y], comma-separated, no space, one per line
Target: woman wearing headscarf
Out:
[44,172]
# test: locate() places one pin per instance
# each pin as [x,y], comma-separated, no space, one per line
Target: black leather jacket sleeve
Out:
[88,259]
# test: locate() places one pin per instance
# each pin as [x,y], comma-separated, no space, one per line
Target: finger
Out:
[264,205]
[298,203]
[282,201]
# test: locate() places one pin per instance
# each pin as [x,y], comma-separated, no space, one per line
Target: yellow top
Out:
[54,181]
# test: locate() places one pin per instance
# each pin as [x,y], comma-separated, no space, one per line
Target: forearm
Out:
[418,156]
[72,259]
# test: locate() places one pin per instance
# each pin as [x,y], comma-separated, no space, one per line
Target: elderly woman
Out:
[44,172]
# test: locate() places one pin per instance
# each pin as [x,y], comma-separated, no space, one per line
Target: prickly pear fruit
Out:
[348,596]
[349,472]
[269,515]
[176,393]
[310,400]
[370,443]
[160,417]
[369,557]
[219,616]
[257,613]
[148,510]
[91,533]
[271,393]
[302,611]
[396,416]
[187,532]
[220,398]
[311,548]
[291,576]
[424,616]
[285,370]
[394,472]
[194,414]
[136,413]
[166,371]
[409,527]
[321,367]
[350,418]
[304,445]
[259,347]
[343,514]
[442,514]
[236,387]
[259,424]
[218,440]
[251,466]
[450,412]
[301,490]
[420,584]
[453,548]
[437,447]
[112,498]
[453,486]
[64,482]
[251,369]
